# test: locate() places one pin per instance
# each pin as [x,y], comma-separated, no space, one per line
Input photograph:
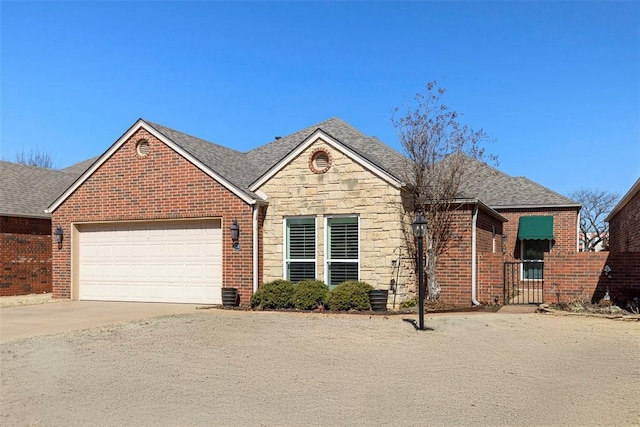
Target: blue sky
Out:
[555,85]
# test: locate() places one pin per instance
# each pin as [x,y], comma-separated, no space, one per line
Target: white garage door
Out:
[177,261]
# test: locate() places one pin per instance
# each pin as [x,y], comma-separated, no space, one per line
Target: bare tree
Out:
[442,157]
[596,205]
[35,157]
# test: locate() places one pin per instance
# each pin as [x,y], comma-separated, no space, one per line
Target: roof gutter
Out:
[474,241]
[256,208]
[575,205]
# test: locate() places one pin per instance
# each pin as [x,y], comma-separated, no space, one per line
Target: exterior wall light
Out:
[235,235]
[504,244]
[58,235]
[420,230]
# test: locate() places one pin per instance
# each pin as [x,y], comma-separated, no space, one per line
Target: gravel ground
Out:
[31,299]
[219,367]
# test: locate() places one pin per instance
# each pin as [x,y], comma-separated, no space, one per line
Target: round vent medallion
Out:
[142,148]
[320,161]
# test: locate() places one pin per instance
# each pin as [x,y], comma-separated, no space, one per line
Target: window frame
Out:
[524,260]
[286,261]
[327,246]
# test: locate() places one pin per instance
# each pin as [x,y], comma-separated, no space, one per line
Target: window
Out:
[343,250]
[300,251]
[533,257]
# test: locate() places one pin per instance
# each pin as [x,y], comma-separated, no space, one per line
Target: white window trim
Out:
[285,245]
[523,260]
[327,261]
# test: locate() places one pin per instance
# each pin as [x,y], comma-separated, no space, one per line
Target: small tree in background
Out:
[596,205]
[35,157]
[443,155]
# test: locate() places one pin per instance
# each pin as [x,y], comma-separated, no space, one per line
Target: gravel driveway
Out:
[216,367]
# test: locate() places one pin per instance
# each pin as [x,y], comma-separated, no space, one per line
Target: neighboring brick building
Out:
[622,278]
[25,228]
[150,219]
[624,222]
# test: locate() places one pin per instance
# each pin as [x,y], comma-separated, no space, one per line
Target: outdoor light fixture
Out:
[504,244]
[420,230]
[235,235]
[58,234]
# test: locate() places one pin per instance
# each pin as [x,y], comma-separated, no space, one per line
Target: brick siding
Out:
[25,255]
[162,185]
[624,227]
[565,229]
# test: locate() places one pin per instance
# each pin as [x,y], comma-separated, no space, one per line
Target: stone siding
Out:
[346,188]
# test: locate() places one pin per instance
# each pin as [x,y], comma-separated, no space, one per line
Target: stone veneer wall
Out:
[345,189]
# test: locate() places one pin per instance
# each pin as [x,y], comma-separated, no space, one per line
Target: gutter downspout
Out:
[474,223]
[255,247]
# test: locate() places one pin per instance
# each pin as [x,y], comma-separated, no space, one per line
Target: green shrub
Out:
[273,295]
[350,295]
[413,302]
[309,294]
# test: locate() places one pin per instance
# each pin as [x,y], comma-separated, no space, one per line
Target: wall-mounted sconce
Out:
[58,234]
[607,271]
[504,244]
[235,235]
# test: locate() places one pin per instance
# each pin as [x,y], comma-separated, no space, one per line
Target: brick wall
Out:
[454,269]
[565,229]
[25,255]
[162,185]
[624,227]
[573,276]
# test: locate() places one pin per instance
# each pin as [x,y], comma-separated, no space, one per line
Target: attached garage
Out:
[164,261]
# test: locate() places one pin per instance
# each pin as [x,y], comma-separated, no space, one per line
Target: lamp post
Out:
[419,230]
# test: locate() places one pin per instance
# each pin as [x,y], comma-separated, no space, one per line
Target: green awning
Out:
[535,228]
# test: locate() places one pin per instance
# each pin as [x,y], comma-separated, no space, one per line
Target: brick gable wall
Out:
[565,229]
[624,228]
[163,185]
[25,255]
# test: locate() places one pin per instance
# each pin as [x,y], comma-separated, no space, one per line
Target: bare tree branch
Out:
[442,156]
[35,157]
[596,205]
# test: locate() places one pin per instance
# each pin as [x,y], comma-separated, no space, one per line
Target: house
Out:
[621,274]
[151,219]
[25,228]
[624,222]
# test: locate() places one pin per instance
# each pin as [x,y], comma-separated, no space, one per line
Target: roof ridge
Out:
[160,127]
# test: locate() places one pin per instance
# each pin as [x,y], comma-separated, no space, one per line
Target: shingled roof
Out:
[26,191]
[266,156]
[242,170]
[500,191]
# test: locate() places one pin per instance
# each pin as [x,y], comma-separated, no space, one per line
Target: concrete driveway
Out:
[48,319]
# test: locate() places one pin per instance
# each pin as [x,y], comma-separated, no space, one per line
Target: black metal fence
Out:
[523,282]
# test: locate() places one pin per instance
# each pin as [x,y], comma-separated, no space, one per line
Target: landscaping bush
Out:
[309,294]
[350,295]
[273,295]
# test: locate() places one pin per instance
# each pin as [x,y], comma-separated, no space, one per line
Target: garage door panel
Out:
[178,261]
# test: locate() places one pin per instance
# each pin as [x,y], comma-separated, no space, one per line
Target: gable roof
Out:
[635,189]
[242,173]
[265,157]
[79,168]
[501,191]
[26,191]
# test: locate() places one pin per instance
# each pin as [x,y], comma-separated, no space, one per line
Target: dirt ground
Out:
[220,367]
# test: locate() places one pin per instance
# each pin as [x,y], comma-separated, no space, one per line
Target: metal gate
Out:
[523,282]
